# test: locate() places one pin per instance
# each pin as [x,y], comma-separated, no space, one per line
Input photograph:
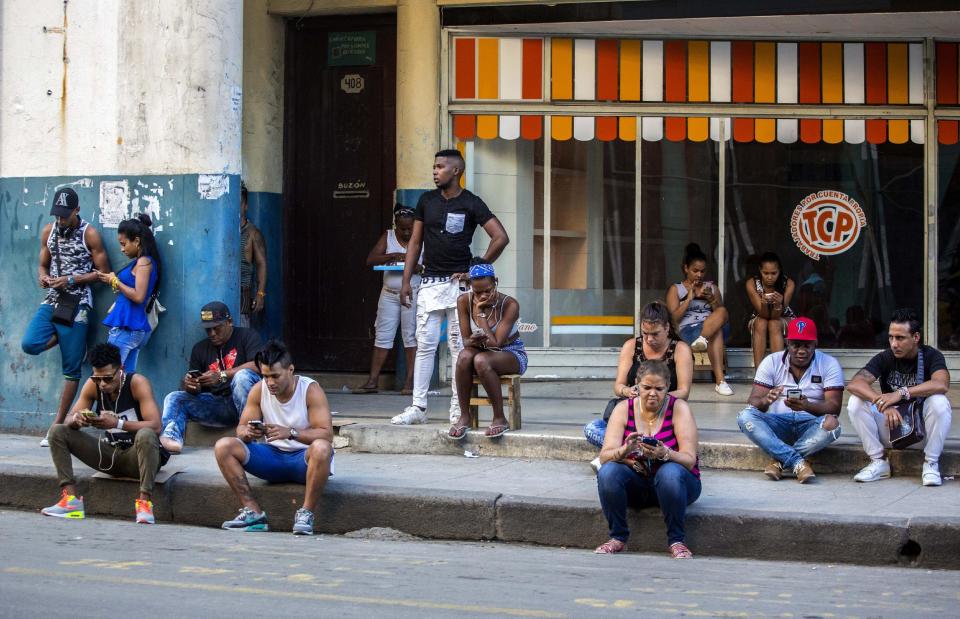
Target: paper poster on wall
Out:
[346,49]
[212,186]
[113,203]
[826,223]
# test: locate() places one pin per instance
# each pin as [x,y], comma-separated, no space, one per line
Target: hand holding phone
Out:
[794,394]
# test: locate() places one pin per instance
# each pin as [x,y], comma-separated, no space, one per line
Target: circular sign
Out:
[826,223]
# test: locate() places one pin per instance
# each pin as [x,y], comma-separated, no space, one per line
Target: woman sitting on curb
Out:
[649,458]
[770,292]
[489,323]
[658,341]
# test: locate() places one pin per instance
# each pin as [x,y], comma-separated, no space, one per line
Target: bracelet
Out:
[120,421]
[904,393]
[261,293]
[115,284]
[666,454]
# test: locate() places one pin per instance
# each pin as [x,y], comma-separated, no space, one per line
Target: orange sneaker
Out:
[68,506]
[145,512]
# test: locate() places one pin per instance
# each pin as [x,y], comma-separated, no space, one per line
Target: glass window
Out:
[845,220]
[948,229]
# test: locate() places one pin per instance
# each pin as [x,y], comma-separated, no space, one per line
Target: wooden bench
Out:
[511,401]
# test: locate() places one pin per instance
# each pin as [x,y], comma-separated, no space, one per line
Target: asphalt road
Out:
[106,568]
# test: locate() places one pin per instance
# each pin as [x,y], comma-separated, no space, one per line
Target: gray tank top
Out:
[698,310]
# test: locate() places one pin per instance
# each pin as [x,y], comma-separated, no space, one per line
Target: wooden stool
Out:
[701,361]
[511,400]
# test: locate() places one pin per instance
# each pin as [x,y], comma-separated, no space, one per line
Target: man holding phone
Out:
[793,408]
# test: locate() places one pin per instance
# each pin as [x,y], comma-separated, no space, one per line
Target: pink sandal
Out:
[610,547]
[679,550]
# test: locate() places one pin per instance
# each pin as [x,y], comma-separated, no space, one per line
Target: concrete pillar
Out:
[418,92]
[137,106]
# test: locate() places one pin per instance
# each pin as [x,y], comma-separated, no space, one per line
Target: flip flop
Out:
[364,390]
[406,392]
[497,431]
[457,432]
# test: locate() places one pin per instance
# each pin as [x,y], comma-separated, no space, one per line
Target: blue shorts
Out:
[276,465]
[690,333]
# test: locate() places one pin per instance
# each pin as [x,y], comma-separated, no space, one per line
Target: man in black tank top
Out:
[123,406]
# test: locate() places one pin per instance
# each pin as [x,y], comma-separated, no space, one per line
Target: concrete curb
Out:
[203,499]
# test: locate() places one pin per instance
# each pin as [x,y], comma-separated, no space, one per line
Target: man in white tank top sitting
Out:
[292,415]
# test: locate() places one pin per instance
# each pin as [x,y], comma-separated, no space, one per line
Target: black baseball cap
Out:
[65,202]
[214,313]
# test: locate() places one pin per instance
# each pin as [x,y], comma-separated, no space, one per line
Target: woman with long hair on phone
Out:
[489,325]
[696,307]
[770,292]
[649,458]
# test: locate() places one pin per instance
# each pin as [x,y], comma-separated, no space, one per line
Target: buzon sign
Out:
[826,223]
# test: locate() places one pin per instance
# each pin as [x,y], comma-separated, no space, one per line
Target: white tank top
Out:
[290,414]
[394,279]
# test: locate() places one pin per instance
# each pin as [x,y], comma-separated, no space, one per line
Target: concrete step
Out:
[547,502]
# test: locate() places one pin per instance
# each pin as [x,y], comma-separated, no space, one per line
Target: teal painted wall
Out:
[265,210]
[199,242]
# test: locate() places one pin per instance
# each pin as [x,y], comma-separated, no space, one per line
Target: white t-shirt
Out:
[823,374]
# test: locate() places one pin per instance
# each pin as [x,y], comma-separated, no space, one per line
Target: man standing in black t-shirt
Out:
[906,370]
[222,372]
[444,222]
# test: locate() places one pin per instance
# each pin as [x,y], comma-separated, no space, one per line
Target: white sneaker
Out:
[931,474]
[411,415]
[699,344]
[875,471]
[723,388]
[595,464]
[44,442]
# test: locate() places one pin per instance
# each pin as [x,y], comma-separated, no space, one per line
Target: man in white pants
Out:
[906,370]
[444,222]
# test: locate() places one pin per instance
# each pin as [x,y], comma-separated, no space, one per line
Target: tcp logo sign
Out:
[826,223]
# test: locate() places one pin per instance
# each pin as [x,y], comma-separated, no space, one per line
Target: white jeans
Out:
[434,302]
[390,315]
[875,435]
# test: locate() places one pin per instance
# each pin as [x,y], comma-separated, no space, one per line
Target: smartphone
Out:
[649,440]
[794,394]
[255,423]
[89,413]
[195,373]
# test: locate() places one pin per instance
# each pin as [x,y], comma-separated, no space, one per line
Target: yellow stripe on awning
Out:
[592,320]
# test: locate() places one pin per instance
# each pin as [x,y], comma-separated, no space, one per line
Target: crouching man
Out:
[292,414]
[121,404]
[794,404]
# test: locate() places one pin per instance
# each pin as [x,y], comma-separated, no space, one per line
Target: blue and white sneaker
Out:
[303,522]
[247,520]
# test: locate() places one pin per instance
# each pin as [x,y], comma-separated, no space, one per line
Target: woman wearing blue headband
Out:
[492,347]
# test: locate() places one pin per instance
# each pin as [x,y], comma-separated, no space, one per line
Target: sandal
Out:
[610,547]
[679,550]
[364,390]
[496,431]
[406,391]
[457,432]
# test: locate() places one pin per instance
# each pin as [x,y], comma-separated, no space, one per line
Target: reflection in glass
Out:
[948,228]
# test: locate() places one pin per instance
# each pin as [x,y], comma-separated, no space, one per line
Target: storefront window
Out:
[845,220]
[948,226]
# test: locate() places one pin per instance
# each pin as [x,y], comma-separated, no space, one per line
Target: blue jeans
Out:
[206,408]
[672,488]
[787,437]
[595,431]
[72,340]
[129,342]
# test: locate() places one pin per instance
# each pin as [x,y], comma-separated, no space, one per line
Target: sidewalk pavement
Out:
[552,502]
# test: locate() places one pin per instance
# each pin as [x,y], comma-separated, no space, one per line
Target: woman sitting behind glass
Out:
[696,307]
[770,292]
[658,341]
[492,346]
[649,459]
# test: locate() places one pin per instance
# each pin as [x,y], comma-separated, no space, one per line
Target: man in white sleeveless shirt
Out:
[291,412]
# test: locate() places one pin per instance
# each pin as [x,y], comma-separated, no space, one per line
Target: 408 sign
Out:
[826,223]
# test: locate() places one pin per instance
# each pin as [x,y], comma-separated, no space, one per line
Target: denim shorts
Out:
[516,349]
[276,465]
[690,333]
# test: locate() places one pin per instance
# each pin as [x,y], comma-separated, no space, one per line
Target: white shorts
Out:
[390,315]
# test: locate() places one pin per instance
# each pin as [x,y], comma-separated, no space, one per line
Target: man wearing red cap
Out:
[794,404]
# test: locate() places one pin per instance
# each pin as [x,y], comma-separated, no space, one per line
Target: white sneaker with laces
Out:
[699,344]
[411,415]
[595,464]
[931,474]
[44,442]
[875,471]
[723,388]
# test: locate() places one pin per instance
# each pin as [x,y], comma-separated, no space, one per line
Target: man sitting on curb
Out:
[794,404]
[906,370]
[123,405]
[292,413]
[221,374]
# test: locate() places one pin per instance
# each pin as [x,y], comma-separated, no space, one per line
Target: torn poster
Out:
[212,186]
[113,203]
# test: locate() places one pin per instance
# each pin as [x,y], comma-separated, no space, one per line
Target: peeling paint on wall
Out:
[113,203]
[212,186]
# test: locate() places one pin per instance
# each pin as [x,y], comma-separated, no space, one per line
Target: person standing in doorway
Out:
[392,249]
[71,253]
[444,222]
[253,265]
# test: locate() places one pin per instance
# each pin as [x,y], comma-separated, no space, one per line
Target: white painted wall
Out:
[263,41]
[149,87]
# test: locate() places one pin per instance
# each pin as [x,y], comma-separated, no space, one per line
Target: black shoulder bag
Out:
[912,429]
[65,309]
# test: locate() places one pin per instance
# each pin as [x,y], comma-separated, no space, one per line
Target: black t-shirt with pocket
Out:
[894,373]
[448,227]
[241,348]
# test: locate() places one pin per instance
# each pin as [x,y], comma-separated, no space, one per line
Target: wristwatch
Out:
[293,433]
[223,376]
[70,280]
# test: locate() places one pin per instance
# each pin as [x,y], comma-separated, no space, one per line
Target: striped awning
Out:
[744,73]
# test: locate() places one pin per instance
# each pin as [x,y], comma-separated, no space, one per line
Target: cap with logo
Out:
[802,328]
[65,202]
[214,313]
